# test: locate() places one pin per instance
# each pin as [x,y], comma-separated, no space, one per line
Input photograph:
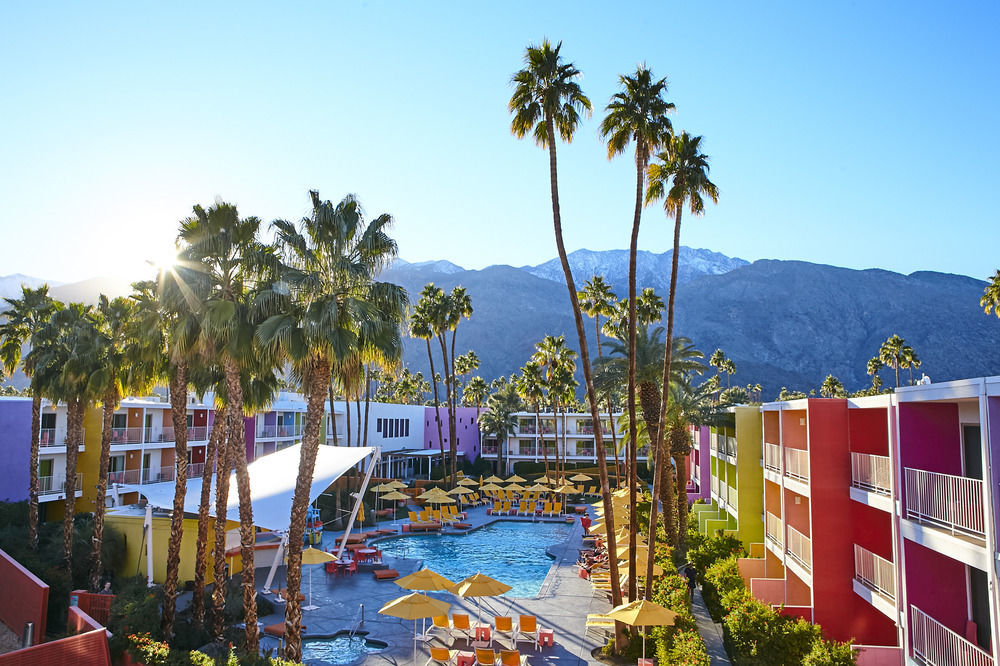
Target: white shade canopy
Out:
[272,484]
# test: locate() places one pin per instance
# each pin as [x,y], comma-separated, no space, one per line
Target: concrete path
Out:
[710,632]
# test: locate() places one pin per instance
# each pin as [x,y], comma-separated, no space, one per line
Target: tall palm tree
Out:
[637,112]
[890,353]
[530,387]
[328,311]
[423,323]
[22,322]
[684,168]
[991,295]
[474,394]
[597,300]
[224,247]
[500,418]
[832,388]
[909,360]
[558,363]
[547,97]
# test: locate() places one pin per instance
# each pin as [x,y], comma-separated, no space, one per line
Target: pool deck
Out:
[562,605]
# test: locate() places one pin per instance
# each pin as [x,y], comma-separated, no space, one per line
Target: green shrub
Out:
[687,649]
[719,580]
[756,635]
[830,653]
[157,653]
[134,610]
[705,551]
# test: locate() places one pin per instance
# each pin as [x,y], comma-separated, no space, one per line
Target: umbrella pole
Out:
[414,641]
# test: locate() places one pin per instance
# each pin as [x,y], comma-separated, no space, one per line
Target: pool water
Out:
[337,651]
[511,552]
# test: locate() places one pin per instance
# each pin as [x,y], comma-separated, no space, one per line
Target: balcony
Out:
[772,457]
[773,528]
[584,452]
[56,485]
[166,434]
[871,473]
[732,498]
[126,435]
[797,464]
[136,477]
[523,451]
[953,503]
[933,643]
[875,572]
[278,431]
[490,449]
[800,548]
[524,429]
[56,437]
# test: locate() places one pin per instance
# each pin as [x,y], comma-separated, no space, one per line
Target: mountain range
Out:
[784,323]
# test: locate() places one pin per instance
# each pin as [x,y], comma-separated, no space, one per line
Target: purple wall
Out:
[249,436]
[466,428]
[993,418]
[271,418]
[705,462]
[15,447]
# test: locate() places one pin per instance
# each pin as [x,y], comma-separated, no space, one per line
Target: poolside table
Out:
[465,658]
[366,553]
[546,638]
[482,635]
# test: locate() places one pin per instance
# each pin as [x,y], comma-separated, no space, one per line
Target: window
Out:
[378,425]
[119,420]
[391,428]
[190,420]
[48,421]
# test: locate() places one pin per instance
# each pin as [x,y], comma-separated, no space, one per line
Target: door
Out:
[979,601]
[972,451]
[145,467]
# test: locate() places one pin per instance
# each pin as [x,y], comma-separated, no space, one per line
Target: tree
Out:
[557,363]
[225,249]
[832,388]
[991,295]
[547,97]
[22,322]
[637,112]
[530,387]
[424,319]
[597,300]
[475,393]
[909,360]
[890,353]
[500,418]
[328,311]
[684,168]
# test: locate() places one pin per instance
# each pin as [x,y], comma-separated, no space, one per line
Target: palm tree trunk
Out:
[682,502]
[222,469]
[347,412]
[614,438]
[357,408]
[216,443]
[437,405]
[239,456]
[110,404]
[633,525]
[178,415]
[667,355]
[449,389]
[333,417]
[316,383]
[36,425]
[74,423]
[602,466]
[368,397]
[452,410]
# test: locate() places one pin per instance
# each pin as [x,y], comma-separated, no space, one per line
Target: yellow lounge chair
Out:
[441,655]
[522,508]
[414,518]
[512,658]
[547,509]
[556,508]
[460,626]
[496,508]
[485,657]
[503,624]
[527,630]
[441,624]
[505,510]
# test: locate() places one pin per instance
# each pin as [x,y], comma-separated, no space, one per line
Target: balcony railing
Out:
[49,485]
[523,451]
[167,434]
[797,464]
[732,498]
[490,449]
[773,528]
[870,472]
[135,477]
[772,457]
[523,429]
[715,485]
[56,437]
[954,503]
[934,643]
[875,572]
[800,547]
[126,435]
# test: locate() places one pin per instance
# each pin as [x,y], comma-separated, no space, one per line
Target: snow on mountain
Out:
[10,285]
[438,266]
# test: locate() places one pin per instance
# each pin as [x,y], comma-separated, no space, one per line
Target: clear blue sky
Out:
[857,134]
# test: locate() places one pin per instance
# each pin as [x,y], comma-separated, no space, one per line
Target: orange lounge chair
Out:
[527,630]
[460,626]
[503,624]
[485,657]
[512,658]
[441,655]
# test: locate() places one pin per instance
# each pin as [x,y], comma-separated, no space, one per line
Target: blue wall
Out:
[15,448]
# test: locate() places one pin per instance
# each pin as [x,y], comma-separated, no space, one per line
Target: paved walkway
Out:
[710,632]
[562,605]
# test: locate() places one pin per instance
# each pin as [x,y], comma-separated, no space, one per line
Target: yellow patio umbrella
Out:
[440,499]
[539,488]
[516,487]
[415,607]
[493,479]
[515,479]
[492,487]
[312,555]
[459,490]
[598,527]
[641,552]
[642,613]
[395,495]
[398,484]
[622,541]
[566,489]
[479,585]
[383,488]
[427,494]
[468,482]
[425,580]
[580,477]
[640,566]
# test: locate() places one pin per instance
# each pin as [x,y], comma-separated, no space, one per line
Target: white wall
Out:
[380,410]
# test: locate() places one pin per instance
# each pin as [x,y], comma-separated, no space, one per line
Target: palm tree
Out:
[597,300]
[909,360]
[890,353]
[500,418]
[23,320]
[991,295]
[685,168]
[530,387]
[832,388]
[638,111]
[475,393]
[556,361]
[225,249]
[329,312]
[423,322]
[547,97]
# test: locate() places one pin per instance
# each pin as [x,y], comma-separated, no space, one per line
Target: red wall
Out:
[930,437]
[24,598]
[200,417]
[872,529]
[869,431]
[936,584]
[197,454]
[89,649]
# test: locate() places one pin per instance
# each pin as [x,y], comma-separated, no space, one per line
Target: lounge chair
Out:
[505,509]
[414,518]
[556,508]
[503,624]
[600,625]
[441,655]
[496,508]
[485,657]
[522,508]
[547,509]
[441,625]
[512,658]
[460,626]
[527,630]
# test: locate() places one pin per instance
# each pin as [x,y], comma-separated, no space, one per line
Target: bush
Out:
[830,653]
[687,649]
[708,550]
[157,653]
[721,580]
[134,610]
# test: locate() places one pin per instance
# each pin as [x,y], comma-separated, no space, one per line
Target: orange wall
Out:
[771,427]
[793,429]
[797,515]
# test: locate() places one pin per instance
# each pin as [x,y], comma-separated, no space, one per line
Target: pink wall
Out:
[930,437]
[768,590]
[993,418]
[24,597]
[874,655]
[869,431]
[872,529]
[796,515]
[936,584]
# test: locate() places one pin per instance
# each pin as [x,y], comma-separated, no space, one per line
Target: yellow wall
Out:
[750,474]
[135,558]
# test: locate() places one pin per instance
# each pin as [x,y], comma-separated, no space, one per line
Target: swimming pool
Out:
[511,552]
[339,650]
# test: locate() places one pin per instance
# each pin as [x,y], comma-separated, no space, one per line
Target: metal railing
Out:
[875,572]
[490,449]
[126,435]
[49,485]
[167,434]
[797,464]
[136,477]
[732,498]
[773,528]
[772,457]
[715,485]
[800,547]
[934,643]
[526,429]
[871,472]
[954,503]
[56,437]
